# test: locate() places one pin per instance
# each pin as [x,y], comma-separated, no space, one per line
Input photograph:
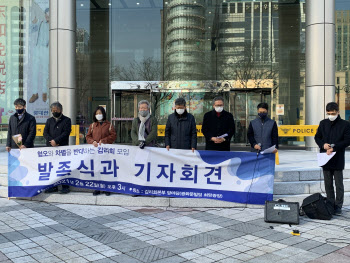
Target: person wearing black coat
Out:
[57,128]
[21,123]
[333,135]
[218,127]
[56,133]
[180,130]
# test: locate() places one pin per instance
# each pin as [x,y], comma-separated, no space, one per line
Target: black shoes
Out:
[337,211]
[97,192]
[65,189]
[51,190]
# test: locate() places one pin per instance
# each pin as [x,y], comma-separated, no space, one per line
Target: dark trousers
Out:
[339,186]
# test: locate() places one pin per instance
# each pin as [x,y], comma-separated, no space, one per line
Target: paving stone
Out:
[203,239]
[93,257]
[277,237]
[3,257]
[288,252]
[226,234]
[25,259]
[104,260]
[14,236]
[3,239]
[173,259]
[267,258]
[150,254]
[332,258]
[230,260]
[30,233]
[16,254]
[247,228]
[123,258]
[179,246]
[324,249]
[129,245]
[307,245]
[203,259]
[108,237]
[293,240]
[216,256]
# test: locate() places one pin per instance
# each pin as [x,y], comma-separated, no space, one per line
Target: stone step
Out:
[307,175]
[3,191]
[300,198]
[3,180]
[132,201]
[303,187]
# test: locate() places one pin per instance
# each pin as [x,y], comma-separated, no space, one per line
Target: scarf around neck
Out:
[142,127]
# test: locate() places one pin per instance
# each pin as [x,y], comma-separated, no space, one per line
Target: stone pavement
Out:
[45,232]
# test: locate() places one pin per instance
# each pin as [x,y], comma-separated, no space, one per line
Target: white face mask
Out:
[180,111]
[219,109]
[99,117]
[332,117]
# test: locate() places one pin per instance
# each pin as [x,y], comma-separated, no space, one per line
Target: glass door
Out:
[124,111]
[243,106]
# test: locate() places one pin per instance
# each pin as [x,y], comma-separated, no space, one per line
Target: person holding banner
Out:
[180,129]
[263,132]
[218,127]
[56,133]
[22,128]
[144,127]
[333,135]
[100,131]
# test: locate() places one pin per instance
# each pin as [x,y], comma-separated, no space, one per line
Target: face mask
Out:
[143,113]
[332,117]
[180,111]
[219,109]
[262,115]
[20,111]
[99,117]
[56,114]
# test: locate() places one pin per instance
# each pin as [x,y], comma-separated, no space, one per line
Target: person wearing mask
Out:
[21,123]
[333,135]
[218,127]
[56,133]
[100,131]
[262,132]
[180,129]
[144,127]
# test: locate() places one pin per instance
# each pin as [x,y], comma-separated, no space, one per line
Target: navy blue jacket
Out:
[181,131]
[263,132]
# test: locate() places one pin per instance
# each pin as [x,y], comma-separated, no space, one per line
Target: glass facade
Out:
[128,50]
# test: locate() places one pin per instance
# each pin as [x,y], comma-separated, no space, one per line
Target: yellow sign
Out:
[75,131]
[161,131]
[297,130]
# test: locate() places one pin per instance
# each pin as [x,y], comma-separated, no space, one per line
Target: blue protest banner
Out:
[241,177]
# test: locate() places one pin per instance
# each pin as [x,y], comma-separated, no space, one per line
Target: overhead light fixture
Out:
[81,4]
[137,3]
[109,4]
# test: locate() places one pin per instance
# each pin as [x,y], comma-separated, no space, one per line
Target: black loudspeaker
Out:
[282,212]
[318,207]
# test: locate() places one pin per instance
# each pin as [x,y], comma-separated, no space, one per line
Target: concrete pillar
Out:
[62,56]
[320,62]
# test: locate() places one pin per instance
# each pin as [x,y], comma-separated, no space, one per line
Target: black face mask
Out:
[20,111]
[56,114]
[262,115]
